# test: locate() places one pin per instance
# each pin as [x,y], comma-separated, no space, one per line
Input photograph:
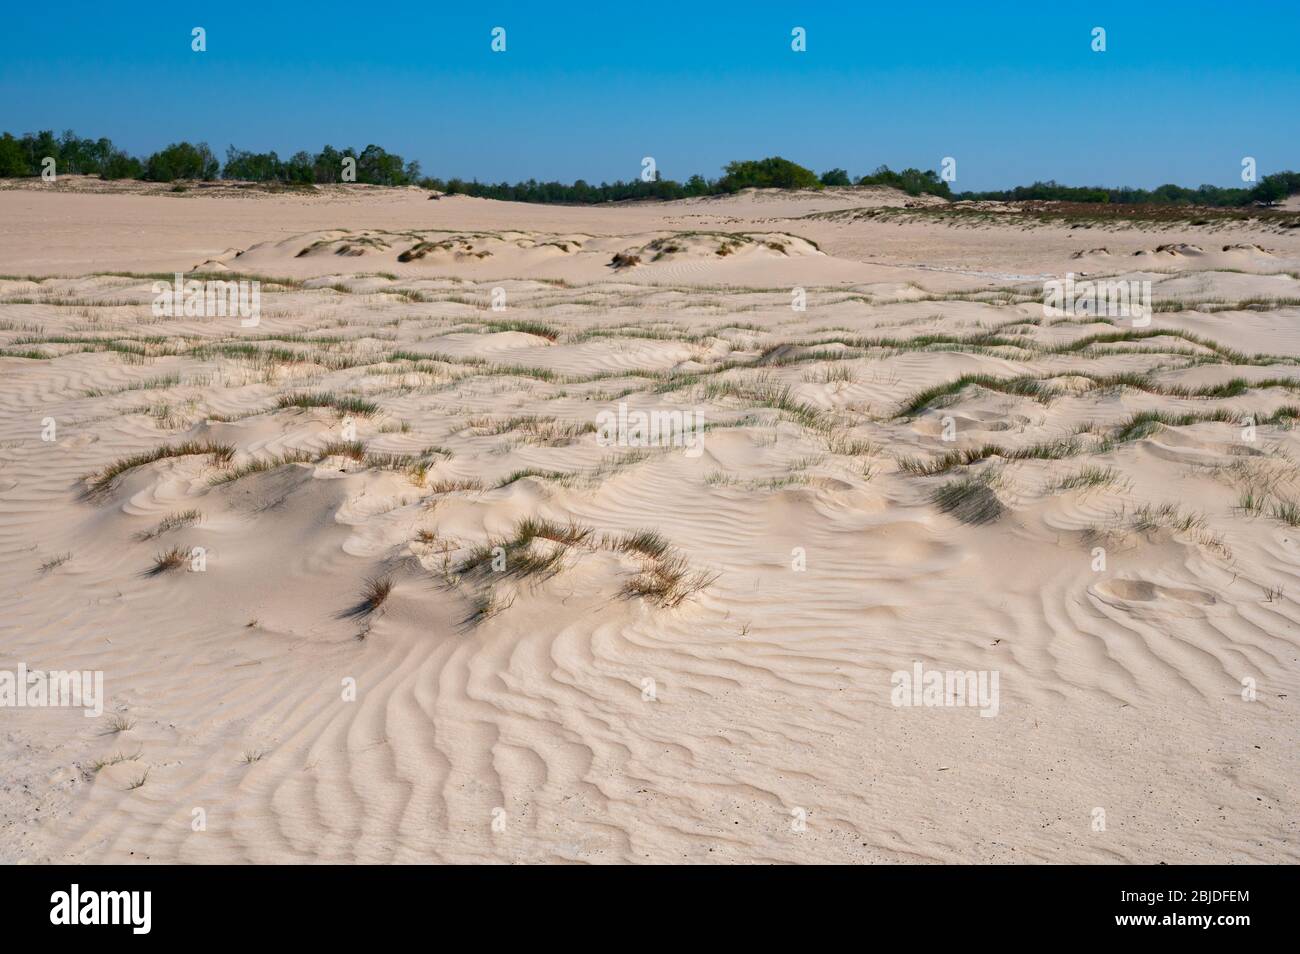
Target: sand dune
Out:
[688,653]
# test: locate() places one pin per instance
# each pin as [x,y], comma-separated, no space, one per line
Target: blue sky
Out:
[1182,93]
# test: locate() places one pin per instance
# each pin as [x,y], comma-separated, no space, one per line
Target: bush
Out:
[182,160]
[121,166]
[911,181]
[770,173]
[12,162]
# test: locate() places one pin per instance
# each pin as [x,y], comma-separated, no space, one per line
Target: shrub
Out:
[770,173]
[182,160]
[911,181]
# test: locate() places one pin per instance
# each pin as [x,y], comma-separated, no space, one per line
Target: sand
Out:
[722,690]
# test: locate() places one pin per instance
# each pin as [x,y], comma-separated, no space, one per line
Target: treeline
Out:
[373,165]
[1270,189]
[25,156]
[771,173]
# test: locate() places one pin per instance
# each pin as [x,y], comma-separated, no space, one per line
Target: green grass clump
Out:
[1089,476]
[346,403]
[1046,450]
[557,475]
[970,499]
[1023,386]
[647,542]
[521,554]
[1288,511]
[455,486]
[353,450]
[527,327]
[1146,423]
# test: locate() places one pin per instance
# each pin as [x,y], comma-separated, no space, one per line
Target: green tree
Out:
[12,161]
[770,173]
[182,160]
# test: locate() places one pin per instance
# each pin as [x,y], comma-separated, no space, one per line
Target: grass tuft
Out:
[346,403]
[173,521]
[373,593]
[970,499]
[169,560]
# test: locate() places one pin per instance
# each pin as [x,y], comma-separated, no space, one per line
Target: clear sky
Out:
[1013,91]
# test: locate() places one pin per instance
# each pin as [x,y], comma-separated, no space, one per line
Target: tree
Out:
[119,165]
[182,160]
[254,167]
[770,173]
[12,161]
[911,181]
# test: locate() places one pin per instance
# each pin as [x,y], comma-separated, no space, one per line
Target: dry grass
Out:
[55,561]
[374,592]
[173,521]
[117,724]
[667,582]
[169,560]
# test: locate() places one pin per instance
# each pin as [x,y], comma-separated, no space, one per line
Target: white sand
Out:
[753,720]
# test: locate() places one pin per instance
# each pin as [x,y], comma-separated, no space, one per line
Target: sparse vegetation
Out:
[260,465]
[353,450]
[169,560]
[173,521]
[1047,450]
[1086,477]
[668,582]
[344,403]
[374,592]
[970,499]
[117,724]
[101,482]
[524,327]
